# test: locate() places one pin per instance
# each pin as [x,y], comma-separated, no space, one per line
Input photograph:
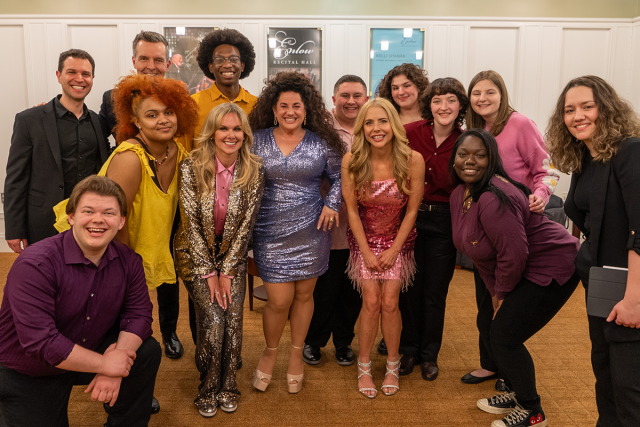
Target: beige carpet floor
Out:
[330,397]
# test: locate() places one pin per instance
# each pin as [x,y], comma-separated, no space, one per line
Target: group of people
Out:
[356,212]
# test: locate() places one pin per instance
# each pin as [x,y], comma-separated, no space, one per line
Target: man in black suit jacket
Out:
[151,57]
[53,147]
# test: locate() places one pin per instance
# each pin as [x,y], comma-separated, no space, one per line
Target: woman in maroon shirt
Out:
[423,305]
[525,260]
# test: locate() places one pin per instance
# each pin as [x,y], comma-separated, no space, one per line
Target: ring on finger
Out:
[224,296]
[217,293]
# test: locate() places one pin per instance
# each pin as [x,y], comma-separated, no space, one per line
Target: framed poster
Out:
[295,49]
[391,47]
[183,50]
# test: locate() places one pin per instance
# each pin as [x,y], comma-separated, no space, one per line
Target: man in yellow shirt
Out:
[225,56]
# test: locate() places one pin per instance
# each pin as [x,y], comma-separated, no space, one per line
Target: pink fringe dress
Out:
[381,213]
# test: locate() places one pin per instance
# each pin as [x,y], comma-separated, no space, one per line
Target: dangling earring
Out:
[275,121]
[304,122]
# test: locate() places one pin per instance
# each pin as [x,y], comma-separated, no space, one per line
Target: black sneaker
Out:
[499,404]
[521,417]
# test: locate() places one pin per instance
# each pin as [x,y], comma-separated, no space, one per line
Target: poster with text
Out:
[295,49]
[391,47]
[183,50]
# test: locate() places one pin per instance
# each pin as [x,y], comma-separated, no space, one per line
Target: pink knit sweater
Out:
[525,156]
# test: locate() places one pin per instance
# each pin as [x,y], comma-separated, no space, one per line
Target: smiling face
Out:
[377,127]
[404,92]
[151,59]
[229,138]
[76,78]
[95,223]
[580,113]
[471,160]
[156,121]
[226,73]
[445,109]
[348,100]
[485,100]
[290,111]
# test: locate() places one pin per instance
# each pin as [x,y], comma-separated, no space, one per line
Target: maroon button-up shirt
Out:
[55,298]
[437,186]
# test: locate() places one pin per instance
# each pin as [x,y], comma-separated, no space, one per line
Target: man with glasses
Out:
[225,56]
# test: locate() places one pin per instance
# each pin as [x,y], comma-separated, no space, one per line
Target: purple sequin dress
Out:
[381,213]
[287,244]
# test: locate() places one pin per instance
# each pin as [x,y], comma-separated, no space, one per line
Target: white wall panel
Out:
[493,49]
[584,51]
[357,52]
[253,83]
[529,82]
[55,39]
[634,92]
[621,62]
[36,53]
[438,51]
[455,63]
[335,52]
[101,42]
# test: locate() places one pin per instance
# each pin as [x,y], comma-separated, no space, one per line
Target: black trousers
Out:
[27,401]
[336,304]
[486,360]
[169,294]
[423,305]
[525,310]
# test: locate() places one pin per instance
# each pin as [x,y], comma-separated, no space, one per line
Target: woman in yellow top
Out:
[150,111]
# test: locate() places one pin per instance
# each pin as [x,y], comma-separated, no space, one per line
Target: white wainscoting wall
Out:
[536,57]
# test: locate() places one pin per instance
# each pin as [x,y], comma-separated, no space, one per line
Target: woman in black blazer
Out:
[593,133]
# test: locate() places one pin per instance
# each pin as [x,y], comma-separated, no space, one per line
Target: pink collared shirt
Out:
[224,176]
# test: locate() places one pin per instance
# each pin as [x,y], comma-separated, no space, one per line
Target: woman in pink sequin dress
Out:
[382,185]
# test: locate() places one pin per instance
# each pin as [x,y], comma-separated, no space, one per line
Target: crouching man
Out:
[76,311]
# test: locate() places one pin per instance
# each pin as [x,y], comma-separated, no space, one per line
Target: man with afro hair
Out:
[225,56]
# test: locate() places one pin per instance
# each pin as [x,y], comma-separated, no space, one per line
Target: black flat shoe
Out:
[382,348]
[472,379]
[407,363]
[501,386]
[172,346]
[311,355]
[345,356]
[239,364]
[155,405]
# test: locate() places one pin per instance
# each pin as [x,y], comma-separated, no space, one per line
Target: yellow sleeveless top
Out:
[150,222]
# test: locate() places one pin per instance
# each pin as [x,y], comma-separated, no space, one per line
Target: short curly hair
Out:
[417,75]
[318,119]
[226,36]
[444,86]
[135,87]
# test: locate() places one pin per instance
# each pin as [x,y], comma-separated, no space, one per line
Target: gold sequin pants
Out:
[219,338]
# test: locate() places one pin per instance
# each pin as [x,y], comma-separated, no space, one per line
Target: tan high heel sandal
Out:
[261,380]
[363,372]
[294,382]
[393,372]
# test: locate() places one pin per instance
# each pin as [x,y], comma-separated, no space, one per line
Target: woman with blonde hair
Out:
[220,187]
[525,159]
[595,135]
[382,185]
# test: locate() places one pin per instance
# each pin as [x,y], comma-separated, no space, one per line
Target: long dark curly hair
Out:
[319,120]
[417,75]
[226,36]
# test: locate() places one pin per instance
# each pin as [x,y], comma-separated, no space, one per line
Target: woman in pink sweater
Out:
[525,158]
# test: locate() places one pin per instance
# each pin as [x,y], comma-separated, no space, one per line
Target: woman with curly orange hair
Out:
[150,111]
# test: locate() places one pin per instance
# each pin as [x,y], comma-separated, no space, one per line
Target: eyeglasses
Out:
[219,60]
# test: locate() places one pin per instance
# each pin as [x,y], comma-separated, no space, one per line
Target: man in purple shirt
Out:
[76,311]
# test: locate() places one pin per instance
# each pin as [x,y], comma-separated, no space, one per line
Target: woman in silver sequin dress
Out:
[292,236]
[220,187]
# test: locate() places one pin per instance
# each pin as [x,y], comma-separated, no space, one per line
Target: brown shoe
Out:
[407,363]
[429,370]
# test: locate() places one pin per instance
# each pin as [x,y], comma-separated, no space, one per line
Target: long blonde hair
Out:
[616,121]
[360,167]
[204,161]
[475,120]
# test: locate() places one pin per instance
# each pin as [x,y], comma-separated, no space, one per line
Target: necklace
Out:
[466,201]
[146,148]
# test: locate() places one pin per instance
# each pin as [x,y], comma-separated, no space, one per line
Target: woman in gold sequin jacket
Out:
[220,187]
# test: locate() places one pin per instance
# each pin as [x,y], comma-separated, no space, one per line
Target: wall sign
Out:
[295,49]
[391,47]
[183,50]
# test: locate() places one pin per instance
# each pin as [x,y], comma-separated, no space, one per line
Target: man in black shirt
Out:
[53,147]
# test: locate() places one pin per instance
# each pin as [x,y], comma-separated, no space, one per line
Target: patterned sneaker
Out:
[521,417]
[502,403]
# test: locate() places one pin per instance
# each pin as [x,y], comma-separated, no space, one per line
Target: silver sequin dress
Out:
[287,245]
